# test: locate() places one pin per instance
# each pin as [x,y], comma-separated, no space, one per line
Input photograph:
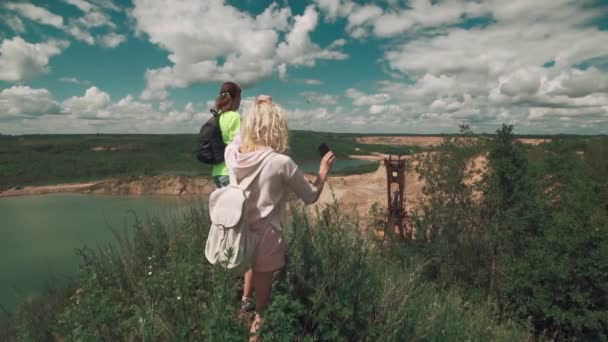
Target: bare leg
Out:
[248,285]
[262,281]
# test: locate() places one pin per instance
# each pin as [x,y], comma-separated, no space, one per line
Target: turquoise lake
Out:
[39,235]
[339,165]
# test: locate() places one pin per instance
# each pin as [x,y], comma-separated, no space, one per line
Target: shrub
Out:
[531,234]
[450,217]
[558,277]
[339,286]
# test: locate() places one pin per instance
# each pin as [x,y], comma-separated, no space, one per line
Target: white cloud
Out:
[375,119]
[93,17]
[361,99]
[316,98]
[386,109]
[312,82]
[129,107]
[90,105]
[577,83]
[441,74]
[83,5]
[396,19]
[274,18]
[36,13]
[107,4]
[362,15]
[295,48]
[318,118]
[431,85]
[20,60]
[74,80]
[490,73]
[112,40]
[494,73]
[595,115]
[244,49]
[80,34]
[22,101]
[330,7]
[25,110]
[424,14]
[446,105]
[157,81]
[282,69]
[14,23]
[526,80]
[298,49]
[335,8]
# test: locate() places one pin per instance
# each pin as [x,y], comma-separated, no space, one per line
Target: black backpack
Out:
[210,143]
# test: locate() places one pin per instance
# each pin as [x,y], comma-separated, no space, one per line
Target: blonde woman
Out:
[261,144]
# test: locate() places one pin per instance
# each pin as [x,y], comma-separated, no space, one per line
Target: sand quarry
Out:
[362,191]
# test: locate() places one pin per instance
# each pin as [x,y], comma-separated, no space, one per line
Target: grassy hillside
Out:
[339,286]
[39,159]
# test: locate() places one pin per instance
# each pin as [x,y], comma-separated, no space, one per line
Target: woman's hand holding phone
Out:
[327,161]
[326,164]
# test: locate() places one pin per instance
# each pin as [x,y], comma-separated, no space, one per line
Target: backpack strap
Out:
[247,180]
[217,116]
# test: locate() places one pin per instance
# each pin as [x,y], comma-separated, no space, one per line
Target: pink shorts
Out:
[270,253]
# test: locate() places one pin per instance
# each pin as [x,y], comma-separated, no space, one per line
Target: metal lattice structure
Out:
[395,191]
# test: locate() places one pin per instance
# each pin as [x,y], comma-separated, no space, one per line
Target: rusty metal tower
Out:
[395,191]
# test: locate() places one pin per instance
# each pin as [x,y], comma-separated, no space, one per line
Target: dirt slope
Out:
[364,190]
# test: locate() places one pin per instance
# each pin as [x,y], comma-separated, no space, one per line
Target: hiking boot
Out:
[247,304]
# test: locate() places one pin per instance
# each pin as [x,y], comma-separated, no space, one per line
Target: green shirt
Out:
[230,124]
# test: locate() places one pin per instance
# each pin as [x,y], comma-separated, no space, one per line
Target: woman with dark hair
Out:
[227,104]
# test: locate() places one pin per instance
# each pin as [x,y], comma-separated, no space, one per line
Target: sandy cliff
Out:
[143,185]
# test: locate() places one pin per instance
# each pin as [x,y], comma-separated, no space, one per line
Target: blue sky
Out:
[389,66]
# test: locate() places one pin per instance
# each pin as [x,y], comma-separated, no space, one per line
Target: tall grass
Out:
[339,284]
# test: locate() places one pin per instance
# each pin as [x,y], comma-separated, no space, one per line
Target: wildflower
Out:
[149,273]
[179,297]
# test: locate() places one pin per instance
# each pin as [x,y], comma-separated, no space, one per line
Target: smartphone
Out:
[323,149]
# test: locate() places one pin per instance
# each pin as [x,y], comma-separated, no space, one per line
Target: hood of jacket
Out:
[243,164]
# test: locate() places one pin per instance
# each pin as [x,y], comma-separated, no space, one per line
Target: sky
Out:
[385,66]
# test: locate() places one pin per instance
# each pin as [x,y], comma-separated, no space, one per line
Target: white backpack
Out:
[230,243]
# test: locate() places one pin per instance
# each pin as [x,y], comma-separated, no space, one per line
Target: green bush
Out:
[342,285]
[530,232]
[558,276]
[454,232]
[330,273]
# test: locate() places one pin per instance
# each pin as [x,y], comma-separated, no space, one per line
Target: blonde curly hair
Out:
[265,125]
